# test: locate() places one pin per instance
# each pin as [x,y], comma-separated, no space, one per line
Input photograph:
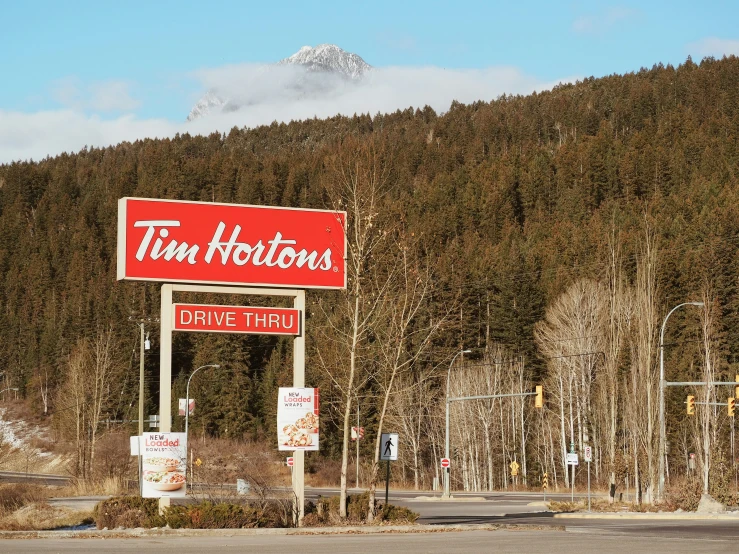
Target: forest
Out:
[548,234]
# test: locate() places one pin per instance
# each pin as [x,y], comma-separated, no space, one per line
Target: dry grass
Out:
[41,516]
[23,507]
[107,486]
[601,505]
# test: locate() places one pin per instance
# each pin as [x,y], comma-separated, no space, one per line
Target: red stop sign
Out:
[290,461]
[445,462]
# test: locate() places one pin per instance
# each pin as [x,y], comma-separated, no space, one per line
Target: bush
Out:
[128,511]
[398,514]
[132,511]
[357,509]
[684,495]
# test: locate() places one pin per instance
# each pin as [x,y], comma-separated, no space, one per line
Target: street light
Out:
[662,429]
[187,393]
[446,440]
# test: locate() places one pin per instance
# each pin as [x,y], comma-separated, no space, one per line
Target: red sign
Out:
[233,244]
[236,319]
[357,433]
[445,462]
[290,461]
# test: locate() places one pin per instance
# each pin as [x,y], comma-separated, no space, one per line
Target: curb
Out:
[353,530]
[647,515]
[450,499]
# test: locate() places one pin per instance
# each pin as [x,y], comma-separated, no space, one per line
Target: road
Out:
[529,509]
[518,508]
[518,541]
[40,478]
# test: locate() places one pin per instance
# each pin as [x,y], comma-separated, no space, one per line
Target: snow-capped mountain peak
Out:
[329,57]
[338,66]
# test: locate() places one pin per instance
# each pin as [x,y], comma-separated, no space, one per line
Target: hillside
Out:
[511,201]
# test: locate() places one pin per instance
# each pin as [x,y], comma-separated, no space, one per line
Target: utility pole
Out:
[143,345]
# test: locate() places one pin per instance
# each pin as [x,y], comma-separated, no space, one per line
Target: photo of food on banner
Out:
[297,419]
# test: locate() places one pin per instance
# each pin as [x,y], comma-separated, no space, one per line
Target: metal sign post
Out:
[572,460]
[388,451]
[588,458]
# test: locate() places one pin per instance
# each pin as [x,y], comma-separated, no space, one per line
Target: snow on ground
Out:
[17,435]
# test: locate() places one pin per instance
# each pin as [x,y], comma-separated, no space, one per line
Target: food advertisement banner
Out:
[164,457]
[230,244]
[297,418]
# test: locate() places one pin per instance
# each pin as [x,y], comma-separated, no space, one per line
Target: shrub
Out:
[357,509]
[684,495]
[398,514]
[128,511]
[132,511]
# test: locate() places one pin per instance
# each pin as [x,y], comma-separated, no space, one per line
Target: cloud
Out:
[599,23]
[712,46]
[257,95]
[48,133]
[104,96]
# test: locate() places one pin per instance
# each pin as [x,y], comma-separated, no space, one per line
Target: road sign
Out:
[357,433]
[389,446]
[290,461]
[198,462]
[445,462]
[572,459]
[588,454]
[514,468]
[545,481]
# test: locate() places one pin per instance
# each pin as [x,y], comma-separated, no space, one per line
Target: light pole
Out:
[662,429]
[446,439]
[187,393]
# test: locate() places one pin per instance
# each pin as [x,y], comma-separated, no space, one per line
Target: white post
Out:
[165,361]
[588,485]
[357,462]
[165,370]
[298,472]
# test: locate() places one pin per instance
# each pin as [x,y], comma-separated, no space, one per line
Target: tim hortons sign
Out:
[230,244]
[236,319]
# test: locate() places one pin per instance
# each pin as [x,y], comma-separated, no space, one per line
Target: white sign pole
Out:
[298,469]
[165,371]
[588,485]
[588,458]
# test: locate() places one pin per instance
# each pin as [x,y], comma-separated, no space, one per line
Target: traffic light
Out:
[730,406]
[736,387]
[691,405]
[539,400]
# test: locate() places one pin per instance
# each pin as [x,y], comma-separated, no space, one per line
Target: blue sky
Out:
[117,70]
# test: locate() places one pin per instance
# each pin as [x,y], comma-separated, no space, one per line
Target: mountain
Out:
[317,71]
[329,58]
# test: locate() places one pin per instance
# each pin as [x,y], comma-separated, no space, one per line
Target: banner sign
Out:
[236,319]
[297,419]
[230,244]
[164,458]
[183,402]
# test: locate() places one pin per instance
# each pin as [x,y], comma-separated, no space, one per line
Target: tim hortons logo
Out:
[200,242]
[280,252]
